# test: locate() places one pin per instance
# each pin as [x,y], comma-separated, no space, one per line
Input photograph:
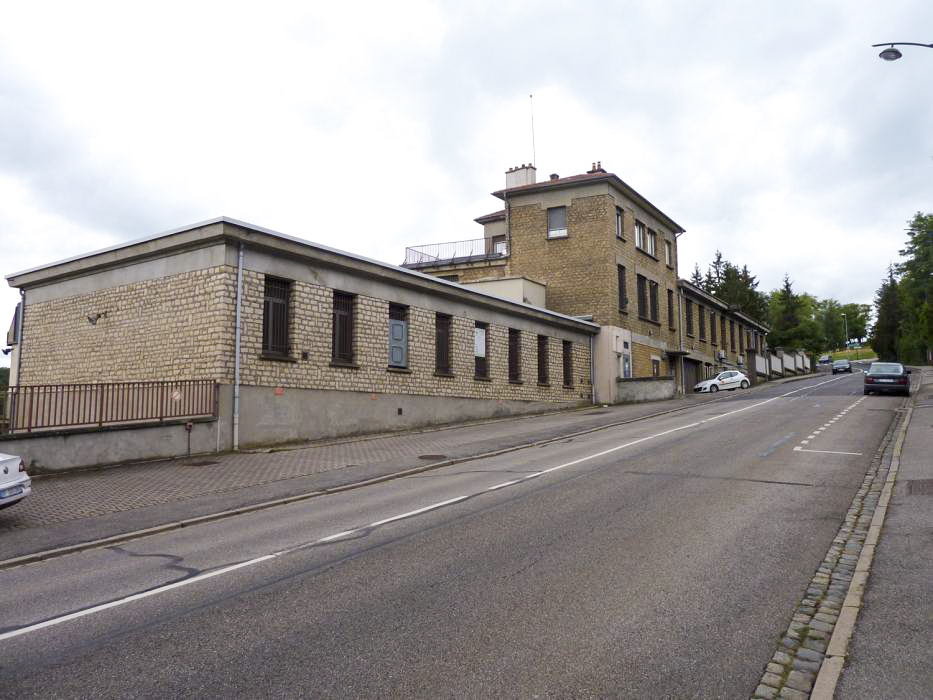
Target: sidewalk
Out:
[889,655]
[70,510]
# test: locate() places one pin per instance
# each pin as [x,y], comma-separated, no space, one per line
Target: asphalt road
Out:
[661,558]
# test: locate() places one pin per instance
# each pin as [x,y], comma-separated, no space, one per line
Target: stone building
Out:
[589,246]
[304,341]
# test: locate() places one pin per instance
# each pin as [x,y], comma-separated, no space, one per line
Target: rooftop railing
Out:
[455,252]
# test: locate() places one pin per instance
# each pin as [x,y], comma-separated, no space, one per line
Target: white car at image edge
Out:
[728,380]
[15,483]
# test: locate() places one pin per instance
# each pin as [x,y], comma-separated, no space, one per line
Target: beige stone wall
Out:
[310,334]
[176,327]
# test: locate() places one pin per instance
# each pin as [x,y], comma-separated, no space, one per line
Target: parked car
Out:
[842,366]
[729,380]
[825,360]
[15,483]
[887,378]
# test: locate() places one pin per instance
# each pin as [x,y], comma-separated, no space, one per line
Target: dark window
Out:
[641,288]
[655,368]
[557,222]
[481,349]
[722,330]
[275,317]
[342,341]
[741,340]
[712,327]
[653,294]
[568,363]
[670,309]
[623,292]
[732,335]
[498,246]
[515,355]
[620,220]
[689,312]
[398,336]
[450,278]
[702,310]
[542,360]
[442,343]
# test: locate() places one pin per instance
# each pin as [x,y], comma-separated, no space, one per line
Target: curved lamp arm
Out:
[892,54]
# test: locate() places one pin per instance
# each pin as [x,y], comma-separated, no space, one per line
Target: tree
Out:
[857,317]
[697,276]
[915,339]
[829,314]
[885,334]
[793,325]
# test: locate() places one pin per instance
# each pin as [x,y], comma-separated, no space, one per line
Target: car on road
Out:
[887,378]
[729,380]
[15,483]
[825,360]
[842,366]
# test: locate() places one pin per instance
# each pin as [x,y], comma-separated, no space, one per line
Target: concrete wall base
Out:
[646,389]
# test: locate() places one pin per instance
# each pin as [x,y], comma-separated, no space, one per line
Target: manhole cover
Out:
[201,464]
[920,487]
[432,457]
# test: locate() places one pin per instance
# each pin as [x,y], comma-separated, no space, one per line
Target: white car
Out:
[730,379]
[15,483]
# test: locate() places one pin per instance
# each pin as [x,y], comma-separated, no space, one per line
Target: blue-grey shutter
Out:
[398,343]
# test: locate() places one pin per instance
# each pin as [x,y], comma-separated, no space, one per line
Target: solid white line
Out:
[330,538]
[829,452]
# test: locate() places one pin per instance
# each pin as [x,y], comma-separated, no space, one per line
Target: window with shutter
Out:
[398,336]
[342,336]
[275,317]
[515,355]
[543,377]
[442,344]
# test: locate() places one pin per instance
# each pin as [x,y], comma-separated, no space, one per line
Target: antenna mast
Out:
[534,156]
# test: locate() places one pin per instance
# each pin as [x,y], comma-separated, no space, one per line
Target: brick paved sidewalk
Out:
[68,509]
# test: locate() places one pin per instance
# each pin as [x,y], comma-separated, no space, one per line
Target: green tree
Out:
[887,328]
[697,276]
[915,339]
[857,317]
[793,325]
[829,315]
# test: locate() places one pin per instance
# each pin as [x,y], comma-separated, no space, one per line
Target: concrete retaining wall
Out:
[646,389]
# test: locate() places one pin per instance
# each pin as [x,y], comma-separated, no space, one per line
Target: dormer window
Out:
[557,222]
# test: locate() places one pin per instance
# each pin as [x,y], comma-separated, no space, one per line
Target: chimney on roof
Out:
[555,176]
[596,168]
[520,175]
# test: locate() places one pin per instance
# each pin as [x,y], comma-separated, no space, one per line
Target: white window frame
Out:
[668,253]
[639,234]
[556,232]
[620,223]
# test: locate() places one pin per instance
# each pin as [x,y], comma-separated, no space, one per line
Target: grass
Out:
[863,353]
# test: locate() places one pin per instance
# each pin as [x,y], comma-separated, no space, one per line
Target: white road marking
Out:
[346,533]
[828,452]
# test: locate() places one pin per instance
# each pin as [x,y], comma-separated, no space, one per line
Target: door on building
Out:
[691,373]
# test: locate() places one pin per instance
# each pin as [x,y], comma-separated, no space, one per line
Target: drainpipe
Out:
[236,350]
[19,336]
[680,336]
[592,371]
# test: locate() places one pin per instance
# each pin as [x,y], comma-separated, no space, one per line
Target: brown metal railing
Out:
[53,406]
[455,252]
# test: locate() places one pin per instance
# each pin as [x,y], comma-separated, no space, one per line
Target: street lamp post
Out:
[845,325]
[892,54]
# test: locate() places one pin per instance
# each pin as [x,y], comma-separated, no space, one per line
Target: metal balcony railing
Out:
[55,406]
[455,252]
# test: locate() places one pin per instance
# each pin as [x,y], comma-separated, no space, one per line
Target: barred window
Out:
[689,318]
[568,363]
[670,309]
[342,335]
[641,288]
[515,355]
[702,310]
[623,292]
[442,343]
[653,294]
[543,377]
[732,335]
[741,339]
[712,327]
[275,317]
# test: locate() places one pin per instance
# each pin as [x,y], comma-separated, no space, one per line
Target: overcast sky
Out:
[769,130]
